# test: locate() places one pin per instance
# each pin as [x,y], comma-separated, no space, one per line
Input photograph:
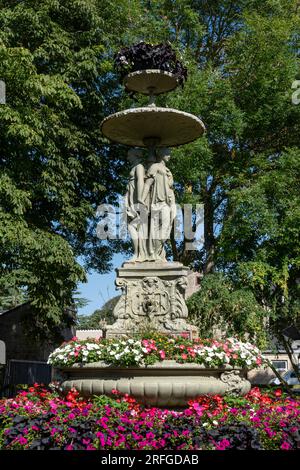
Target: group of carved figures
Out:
[150,204]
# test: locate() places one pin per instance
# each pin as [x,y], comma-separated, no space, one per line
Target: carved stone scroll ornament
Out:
[235,383]
[154,301]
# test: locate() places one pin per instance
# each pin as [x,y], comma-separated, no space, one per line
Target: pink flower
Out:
[184,356]
[222,445]
[69,447]
[285,446]
[22,440]
[91,447]
[101,438]
[162,354]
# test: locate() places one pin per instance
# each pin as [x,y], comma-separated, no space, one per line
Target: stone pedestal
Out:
[153,297]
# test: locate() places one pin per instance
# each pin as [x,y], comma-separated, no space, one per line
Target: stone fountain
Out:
[153,289]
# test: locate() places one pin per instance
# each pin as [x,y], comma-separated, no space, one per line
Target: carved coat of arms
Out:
[151,299]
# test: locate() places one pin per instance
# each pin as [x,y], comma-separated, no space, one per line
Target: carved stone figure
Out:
[136,212]
[158,189]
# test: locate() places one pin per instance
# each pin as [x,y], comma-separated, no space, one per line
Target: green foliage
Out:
[56,62]
[221,306]
[105,313]
[102,400]
[242,60]
[56,58]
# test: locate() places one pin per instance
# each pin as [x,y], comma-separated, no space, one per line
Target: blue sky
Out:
[100,287]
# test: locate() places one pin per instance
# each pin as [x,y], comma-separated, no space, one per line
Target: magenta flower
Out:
[90,447]
[101,438]
[285,446]
[22,440]
[222,445]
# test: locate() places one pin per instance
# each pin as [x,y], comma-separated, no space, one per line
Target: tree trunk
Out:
[209,239]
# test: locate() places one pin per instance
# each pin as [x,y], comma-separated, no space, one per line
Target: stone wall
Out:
[85,334]
[193,283]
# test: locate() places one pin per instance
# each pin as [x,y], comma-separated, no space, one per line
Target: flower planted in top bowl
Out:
[144,56]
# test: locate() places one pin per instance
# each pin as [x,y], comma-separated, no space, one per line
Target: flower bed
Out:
[41,419]
[149,349]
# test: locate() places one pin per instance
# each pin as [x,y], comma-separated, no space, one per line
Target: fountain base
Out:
[152,298]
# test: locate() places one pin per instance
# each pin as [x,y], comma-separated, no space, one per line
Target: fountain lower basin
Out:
[166,383]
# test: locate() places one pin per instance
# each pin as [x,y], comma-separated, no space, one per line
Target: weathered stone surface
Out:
[150,82]
[150,204]
[152,298]
[168,126]
[165,383]
[2,352]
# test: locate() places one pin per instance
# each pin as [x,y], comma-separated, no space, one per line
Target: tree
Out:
[94,320]
[242,58]
[56,62]
[221,308]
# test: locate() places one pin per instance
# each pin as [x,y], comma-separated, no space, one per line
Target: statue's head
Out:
[134,155]
[163,154]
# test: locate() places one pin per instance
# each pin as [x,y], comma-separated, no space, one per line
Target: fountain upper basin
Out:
[169,127]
